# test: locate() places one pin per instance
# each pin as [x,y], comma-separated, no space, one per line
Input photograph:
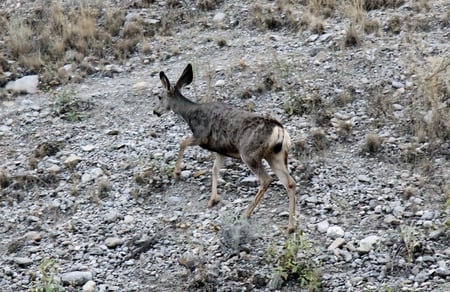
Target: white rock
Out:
[54,169]
[249,179]
[26,84]
[219,17]
[397,84]
[128,219]
[186,173]
[88,148]
[113,242]
[336,243]
[72,160]
[141,85]
[366,244]
[90,286]
[220,83]
[335,231]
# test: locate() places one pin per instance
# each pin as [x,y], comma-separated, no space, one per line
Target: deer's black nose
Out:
[156,113]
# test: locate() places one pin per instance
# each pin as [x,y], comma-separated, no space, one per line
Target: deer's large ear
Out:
[164,80]
[185,78]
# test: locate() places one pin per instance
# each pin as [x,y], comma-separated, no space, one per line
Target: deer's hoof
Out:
[176,174]
[291,229]
[212,202]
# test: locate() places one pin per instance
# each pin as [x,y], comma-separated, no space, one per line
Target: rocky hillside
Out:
[87,197]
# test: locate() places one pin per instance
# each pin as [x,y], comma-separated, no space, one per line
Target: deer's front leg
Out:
[218,163]
[190,141]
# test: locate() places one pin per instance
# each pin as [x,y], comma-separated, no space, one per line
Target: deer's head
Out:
[166,98]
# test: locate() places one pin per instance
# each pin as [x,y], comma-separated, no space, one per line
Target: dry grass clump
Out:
[56,35]
[430,108]
[208,4]
[370,25]
[319,139]
[325,8]
[372,143]
[381,4]
[280,14]
[351,38]
[394,24]
[5,179]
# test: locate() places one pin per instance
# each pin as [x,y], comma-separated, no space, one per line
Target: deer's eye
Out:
[159,97]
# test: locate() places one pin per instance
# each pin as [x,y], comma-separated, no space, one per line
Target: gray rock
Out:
[26,84]
[112,216]
[363,178]
[423,276]
[323,226]
[427,215]
[76,278]
[391,219]
[22,261]
[443,271]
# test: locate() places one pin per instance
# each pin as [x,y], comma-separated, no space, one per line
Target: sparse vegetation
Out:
[372,143]
[295,263]
[236,232]
[48,282]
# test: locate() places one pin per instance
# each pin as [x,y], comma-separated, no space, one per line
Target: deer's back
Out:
[228,129]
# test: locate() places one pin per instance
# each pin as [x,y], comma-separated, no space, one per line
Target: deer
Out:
[231,132]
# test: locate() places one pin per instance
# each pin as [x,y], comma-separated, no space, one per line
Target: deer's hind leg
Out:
[265,180]
[278,163]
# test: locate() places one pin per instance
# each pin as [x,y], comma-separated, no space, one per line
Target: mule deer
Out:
[228,131]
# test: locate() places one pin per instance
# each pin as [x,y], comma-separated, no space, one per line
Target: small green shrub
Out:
[295,263]
[48,282]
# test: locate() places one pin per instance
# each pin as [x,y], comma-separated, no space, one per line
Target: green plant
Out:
[48,281]
[411,242]
[295,262]
[69,106]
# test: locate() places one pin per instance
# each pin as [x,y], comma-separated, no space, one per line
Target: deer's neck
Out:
[182,106]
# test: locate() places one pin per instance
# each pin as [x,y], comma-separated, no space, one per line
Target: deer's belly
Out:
[227,151]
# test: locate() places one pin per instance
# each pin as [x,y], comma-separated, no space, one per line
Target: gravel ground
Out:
[88,200]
